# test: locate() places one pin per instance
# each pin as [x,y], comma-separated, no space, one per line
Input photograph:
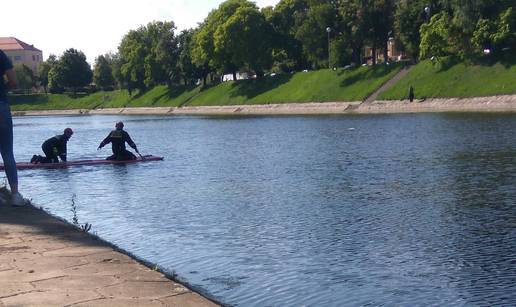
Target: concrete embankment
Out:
[504,103]
[47,262]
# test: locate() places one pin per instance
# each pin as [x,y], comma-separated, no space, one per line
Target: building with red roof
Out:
[21,53]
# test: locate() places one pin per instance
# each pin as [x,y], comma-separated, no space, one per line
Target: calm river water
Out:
[401,210]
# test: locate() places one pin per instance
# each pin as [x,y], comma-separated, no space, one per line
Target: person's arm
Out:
[12,82]
[106,141]
[130,141]
[62,155]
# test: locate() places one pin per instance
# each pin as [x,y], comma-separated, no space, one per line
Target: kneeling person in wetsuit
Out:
[53,148]
[118,138]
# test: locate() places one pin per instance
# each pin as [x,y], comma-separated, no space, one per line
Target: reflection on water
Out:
[291,211]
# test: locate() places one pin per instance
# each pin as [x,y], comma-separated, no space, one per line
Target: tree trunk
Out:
[386,51]
[234,75]
[356,55]
[373,54]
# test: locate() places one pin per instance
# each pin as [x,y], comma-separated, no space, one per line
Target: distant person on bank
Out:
[6,128]
[53,148]
[118,138]
[411,93]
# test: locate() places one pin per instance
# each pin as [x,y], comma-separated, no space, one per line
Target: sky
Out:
[96,26]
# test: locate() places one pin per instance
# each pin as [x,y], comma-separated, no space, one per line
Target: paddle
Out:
[140,155]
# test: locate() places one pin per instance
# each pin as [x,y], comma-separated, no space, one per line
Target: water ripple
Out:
[405,210]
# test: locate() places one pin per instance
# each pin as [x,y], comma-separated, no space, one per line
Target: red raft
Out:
[25,165]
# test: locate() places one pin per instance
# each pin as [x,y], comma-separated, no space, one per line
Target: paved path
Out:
[402,73]
[46,262]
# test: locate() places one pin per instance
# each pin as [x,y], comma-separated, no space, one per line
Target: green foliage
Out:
[495,34]
[286,18]
[55,80]
[408,17]
[161,61]
[340,53]
[354,25]
[44,69]
[282,62]
[244,40]
[74,71]
[380,21]
[25,76]
[313,35]
[435,37]
[482,36]
[505,37]
[186,70]
[208,52]
[132,54]
[103,73]
[148,56]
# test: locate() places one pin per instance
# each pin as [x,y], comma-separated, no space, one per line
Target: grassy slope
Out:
[156,97]
[456,79]
[319,86]
[315,86]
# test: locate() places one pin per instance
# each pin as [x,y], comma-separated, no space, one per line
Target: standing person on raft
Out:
[118,138]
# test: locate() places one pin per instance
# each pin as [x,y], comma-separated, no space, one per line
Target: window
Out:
[17,58]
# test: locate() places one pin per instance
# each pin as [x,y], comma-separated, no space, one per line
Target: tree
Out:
[132,57]
[44,69]
[162,53]
[187,71]
[103,73]
[245,40]
[148,56]
[312,32]
[505,36]
[381,21]
[435,37]
[55,80]
[204,53]
[495,34]
[25,76]
[286,18]
[354,24]
[116,66]
[75,71]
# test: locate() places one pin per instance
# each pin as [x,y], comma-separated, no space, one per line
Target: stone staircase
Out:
[402,73]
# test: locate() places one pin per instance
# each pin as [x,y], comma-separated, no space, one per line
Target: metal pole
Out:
[328,29]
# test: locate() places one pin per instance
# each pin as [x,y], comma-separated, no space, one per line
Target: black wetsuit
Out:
[54,147]
[118,138]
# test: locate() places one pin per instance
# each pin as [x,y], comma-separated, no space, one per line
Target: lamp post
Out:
[427,13]
[328,30]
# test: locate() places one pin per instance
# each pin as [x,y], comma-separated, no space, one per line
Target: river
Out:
[401,210]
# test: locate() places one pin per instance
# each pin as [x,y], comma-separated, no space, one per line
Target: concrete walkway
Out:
[402,73]
[46,262]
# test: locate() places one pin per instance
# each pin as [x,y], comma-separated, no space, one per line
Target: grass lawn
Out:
[314,86]
[456,79]
[156,97]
